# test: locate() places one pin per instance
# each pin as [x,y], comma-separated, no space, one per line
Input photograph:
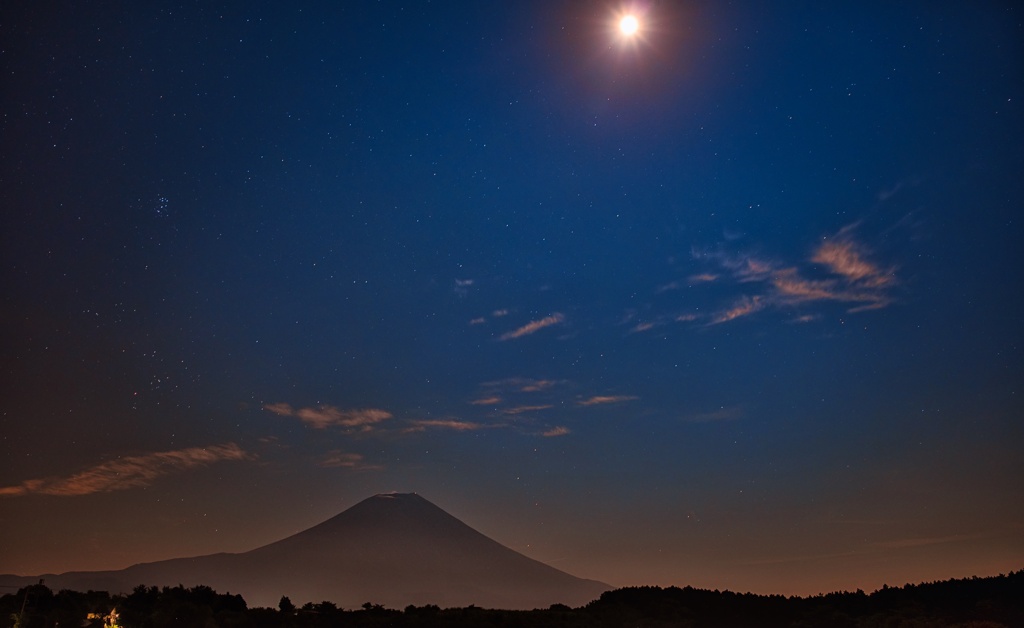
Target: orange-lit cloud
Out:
[325,416]
[605,399]
[536,385]
[534,326]
[750,269]
[556,431]
[486,401]
[791,285]
[851,278]
[744,307]
[128,472]
[522,409]
[792,288]
[703,278]
[480,320]
[345,460]
[446,424]
[844,258]
[280,409]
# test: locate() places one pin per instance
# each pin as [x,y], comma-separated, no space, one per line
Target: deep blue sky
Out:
[736,303]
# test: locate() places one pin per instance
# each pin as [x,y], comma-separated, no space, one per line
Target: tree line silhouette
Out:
[992,602]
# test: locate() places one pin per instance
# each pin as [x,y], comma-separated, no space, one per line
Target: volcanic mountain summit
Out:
[393,549]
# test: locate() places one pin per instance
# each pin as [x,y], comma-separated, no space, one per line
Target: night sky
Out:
[735,302]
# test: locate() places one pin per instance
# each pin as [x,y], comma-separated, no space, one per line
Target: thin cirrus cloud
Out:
[745,306]
[480,320]
[844,258]
[599,400]
[347,460]
[856,280]
[462,286]
[128,472]
[534,326]
[850,277]
[747,269]
[642,327]
[555,432]
[457,425]
[523,409]
[519,384]
[791,288]
[322,417]
[535,385]
[703,278]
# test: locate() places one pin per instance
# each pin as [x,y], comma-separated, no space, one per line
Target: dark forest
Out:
[991,602]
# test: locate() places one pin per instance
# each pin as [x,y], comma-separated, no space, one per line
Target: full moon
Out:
[629,25]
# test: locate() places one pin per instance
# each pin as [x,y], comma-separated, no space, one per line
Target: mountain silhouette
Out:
[392,549]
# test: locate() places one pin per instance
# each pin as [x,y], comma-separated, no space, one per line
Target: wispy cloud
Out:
[642,327]
[522,409]
[605,399]
[128,472]
[746,268]
[486,401]
[446,424]
[534,326]
[480,320]
[791,288]
[462,286]
[536,385]
[347,460]
[555,431]
[745,306]
[845,274]
[521,384]
[703,278]
[845,258]
[324,416]
[743,267]
[280,409]
[806,318]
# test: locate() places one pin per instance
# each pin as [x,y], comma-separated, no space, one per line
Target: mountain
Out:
[391,549]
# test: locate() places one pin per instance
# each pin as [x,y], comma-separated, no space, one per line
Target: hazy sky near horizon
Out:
[733,303]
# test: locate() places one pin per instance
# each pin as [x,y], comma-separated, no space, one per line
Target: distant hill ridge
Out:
[393,549]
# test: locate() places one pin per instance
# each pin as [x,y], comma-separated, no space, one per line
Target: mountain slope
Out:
[391,549]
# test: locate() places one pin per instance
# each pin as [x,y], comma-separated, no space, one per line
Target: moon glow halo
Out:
[629,25]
